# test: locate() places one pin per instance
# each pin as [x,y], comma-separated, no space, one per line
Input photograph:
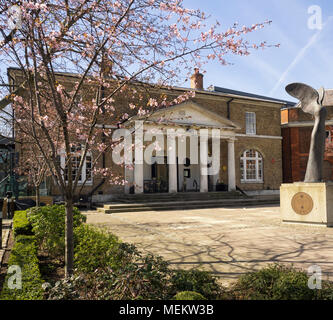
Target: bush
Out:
[48,225]
[275,282]
[21,224]
[195,280]
[95,249]
[145,278]
[135,281]
[24,254]
[189,295]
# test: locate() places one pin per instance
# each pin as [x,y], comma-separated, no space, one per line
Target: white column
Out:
[138,166]
[172,163]
[203,160]
[231,165]
[138,178]
[216,157]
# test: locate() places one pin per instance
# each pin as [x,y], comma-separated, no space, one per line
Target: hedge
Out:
[21,224]
[24,255]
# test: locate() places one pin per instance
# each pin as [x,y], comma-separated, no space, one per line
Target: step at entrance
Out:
[183,201]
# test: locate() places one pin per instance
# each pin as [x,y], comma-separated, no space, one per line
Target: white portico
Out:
[177,149]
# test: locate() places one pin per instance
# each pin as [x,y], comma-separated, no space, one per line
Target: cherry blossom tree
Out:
[76,60]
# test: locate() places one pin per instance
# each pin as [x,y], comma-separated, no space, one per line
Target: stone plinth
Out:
[310,203]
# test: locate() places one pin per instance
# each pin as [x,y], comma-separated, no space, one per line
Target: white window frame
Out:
[259,160]
[84,167]
[250,123]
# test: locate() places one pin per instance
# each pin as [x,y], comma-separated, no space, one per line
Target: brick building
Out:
[250,145]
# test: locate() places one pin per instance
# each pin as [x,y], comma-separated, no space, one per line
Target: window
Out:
[251,166]
[250,121]
[86,174]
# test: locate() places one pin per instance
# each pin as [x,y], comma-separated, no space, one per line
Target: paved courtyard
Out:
[228,242]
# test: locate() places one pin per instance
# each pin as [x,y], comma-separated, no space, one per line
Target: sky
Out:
[305,54]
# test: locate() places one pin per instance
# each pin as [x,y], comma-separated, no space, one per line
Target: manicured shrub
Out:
[189,295]
[94,249]
[21,224]
[24,255]
[26,239]
[195,280]
[275,282]
[48,225]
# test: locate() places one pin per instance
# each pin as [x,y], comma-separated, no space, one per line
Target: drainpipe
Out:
[228,107]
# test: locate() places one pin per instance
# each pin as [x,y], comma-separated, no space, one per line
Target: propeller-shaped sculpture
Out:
[311,101]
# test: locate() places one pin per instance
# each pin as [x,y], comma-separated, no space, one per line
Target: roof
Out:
[288,104]
[219,120]
[213,91]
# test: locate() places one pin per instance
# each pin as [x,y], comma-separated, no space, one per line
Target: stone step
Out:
[169,203]
[176,197]
[186,205]
[166,194]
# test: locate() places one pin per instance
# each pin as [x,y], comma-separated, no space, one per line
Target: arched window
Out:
[251,166]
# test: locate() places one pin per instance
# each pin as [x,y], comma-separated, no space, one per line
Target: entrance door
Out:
[162,173]
[160,177]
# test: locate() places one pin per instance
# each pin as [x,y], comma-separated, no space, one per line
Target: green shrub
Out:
[326,292]
[94,249]
[21,224]
[195,280]
[275,282]
[143,278]
[48,225]
[26,239]
[189,295]
[24,255]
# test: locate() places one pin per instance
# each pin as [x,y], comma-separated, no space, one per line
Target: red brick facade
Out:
[296,132]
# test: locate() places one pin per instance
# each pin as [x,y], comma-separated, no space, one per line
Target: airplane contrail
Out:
[299,56]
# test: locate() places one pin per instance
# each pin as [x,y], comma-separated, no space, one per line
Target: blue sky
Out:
[305,55]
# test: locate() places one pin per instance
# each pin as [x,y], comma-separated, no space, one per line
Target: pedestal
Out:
[307,203]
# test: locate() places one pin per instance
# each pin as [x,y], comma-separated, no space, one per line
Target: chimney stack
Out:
[197,80]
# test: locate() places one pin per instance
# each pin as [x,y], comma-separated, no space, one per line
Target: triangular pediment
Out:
[191,113]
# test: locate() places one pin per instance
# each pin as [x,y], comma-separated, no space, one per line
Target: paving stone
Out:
[228,242]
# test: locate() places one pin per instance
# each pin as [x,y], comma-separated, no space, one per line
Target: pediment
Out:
[191,113]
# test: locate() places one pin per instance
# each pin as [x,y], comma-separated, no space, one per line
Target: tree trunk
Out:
[37,196]
[69,243]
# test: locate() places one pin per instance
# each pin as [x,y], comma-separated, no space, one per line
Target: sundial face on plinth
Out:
[302,203]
